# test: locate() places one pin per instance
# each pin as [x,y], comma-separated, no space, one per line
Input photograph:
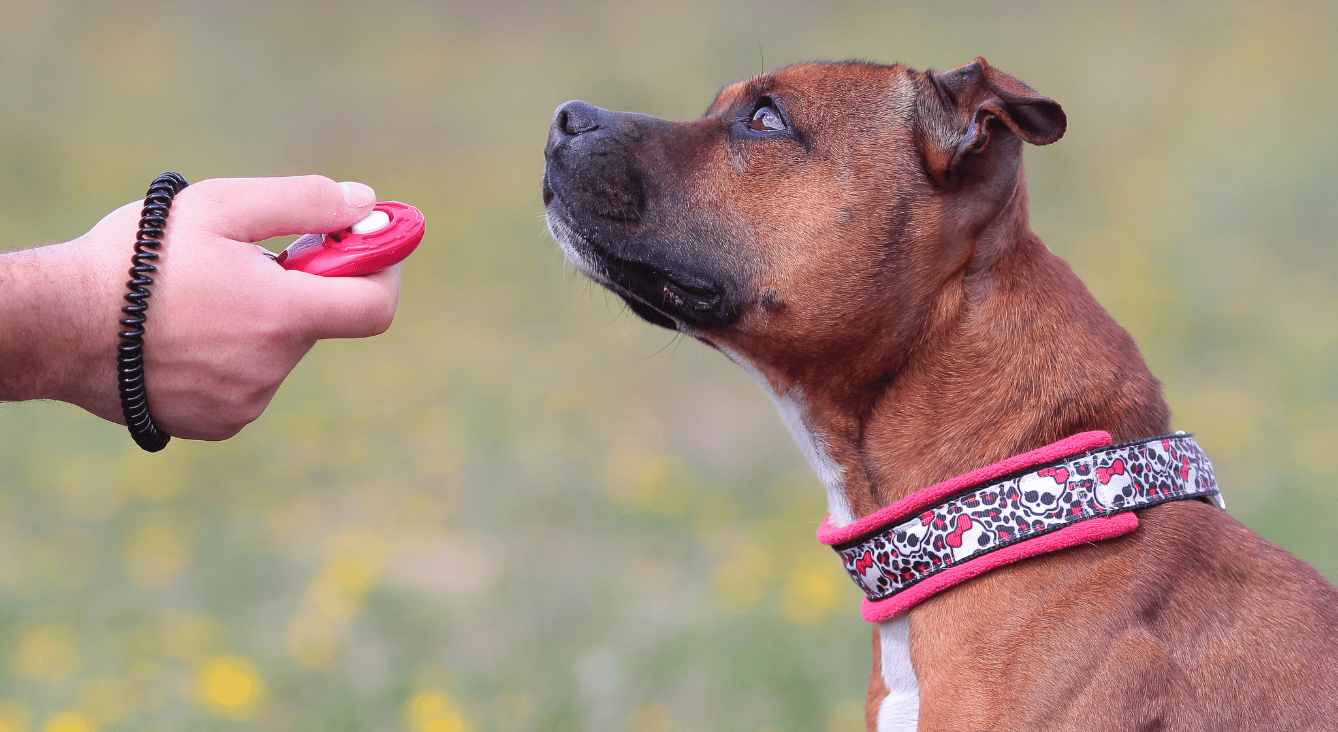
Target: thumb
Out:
[255,209]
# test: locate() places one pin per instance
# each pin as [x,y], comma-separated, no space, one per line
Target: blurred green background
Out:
[521,508]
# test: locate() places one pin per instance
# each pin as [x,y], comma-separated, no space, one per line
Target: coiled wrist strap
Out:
[130,357]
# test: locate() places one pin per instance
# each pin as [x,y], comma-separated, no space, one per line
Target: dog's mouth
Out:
[669,297]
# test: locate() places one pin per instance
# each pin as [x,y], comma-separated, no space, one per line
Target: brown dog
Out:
[856,237]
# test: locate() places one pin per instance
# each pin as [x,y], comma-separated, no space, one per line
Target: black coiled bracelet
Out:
[130,359]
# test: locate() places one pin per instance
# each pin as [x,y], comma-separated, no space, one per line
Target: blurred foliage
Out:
[523,509]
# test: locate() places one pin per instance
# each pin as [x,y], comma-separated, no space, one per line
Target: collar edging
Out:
[1078,490]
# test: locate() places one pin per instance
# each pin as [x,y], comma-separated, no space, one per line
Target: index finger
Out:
[346,307]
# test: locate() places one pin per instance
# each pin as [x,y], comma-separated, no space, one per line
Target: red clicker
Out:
[384,237]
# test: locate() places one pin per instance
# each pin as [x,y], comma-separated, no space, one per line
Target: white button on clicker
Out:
[374,221]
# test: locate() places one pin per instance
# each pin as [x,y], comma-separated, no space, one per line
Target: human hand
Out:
[225,324]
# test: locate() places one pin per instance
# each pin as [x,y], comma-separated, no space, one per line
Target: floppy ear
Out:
[976,103]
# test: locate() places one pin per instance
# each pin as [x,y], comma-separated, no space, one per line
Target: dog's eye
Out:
[766,119]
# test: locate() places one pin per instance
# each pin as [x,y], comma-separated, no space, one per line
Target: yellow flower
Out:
[848,716]
[430,711]
[155,552]
[68,722]
[741,577]
[228,686]
[48,652]
[811,591]
[14,717]
[650,717]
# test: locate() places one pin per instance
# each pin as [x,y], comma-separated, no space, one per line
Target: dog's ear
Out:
[973,103]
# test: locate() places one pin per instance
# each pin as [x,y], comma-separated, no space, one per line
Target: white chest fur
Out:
[900,709]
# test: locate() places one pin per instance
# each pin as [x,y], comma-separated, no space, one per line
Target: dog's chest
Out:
[900,709]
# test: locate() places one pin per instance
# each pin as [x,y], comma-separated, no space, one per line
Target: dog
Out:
[856,237]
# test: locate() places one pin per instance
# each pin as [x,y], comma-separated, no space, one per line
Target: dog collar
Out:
[1078,490]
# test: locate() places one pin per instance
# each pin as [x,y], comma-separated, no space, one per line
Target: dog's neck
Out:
[972,396]
[966,395]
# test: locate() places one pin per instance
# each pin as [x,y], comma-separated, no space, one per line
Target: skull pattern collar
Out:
[1078,490]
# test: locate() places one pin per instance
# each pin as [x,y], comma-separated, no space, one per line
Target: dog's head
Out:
[811,211]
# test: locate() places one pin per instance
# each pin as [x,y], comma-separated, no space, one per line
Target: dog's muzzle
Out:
[598,208]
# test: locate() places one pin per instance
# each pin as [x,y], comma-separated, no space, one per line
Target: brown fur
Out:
[877,687]
[877,260]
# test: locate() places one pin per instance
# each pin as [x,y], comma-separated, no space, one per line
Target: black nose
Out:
[576,118]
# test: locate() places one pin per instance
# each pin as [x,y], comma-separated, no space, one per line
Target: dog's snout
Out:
[570,120]
[577,118]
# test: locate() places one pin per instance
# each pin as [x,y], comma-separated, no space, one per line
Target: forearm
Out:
[57,325]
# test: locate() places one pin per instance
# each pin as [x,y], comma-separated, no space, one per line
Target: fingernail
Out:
[357,195]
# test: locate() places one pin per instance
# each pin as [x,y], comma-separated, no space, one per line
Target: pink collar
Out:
[1078,490]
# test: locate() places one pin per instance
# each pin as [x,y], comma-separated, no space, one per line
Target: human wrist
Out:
[58,326]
